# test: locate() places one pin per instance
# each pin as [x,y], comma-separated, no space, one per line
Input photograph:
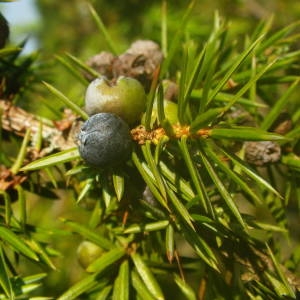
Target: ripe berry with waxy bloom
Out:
[104,140]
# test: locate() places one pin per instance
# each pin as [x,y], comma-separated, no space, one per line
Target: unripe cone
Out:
[87,252]
[126,98]
[170,110]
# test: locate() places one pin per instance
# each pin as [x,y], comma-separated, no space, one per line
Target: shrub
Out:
[202,207]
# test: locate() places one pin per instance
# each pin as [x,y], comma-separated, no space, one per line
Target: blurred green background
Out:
[60,27]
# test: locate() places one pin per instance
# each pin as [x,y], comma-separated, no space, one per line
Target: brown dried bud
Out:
[102,63]
[262,153]
[171,90]
[139,61]
[283,124]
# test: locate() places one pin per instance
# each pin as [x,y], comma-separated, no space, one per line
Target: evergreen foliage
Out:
[203,209]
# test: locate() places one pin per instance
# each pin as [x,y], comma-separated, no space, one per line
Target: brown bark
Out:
[59,135]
